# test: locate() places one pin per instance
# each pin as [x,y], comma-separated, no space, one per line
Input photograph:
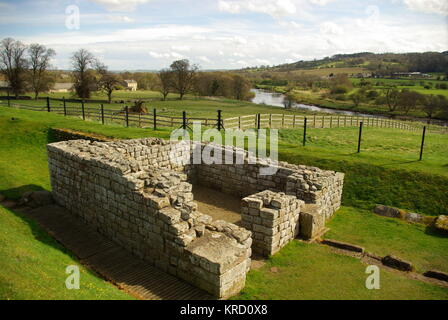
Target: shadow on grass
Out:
[432,231]
[38,233]
[16,193]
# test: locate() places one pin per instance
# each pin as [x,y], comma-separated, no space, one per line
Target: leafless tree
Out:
[165,81]
[13,64]
[392,97]
[83,62]
[183,75]
[39,62]
[107,82]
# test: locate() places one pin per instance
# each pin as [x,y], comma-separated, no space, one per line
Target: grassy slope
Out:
[385,172]
[424,247]
[33,265]
[311,271]
[25,165]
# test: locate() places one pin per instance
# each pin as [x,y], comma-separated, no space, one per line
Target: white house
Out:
[130,85]
[62,87]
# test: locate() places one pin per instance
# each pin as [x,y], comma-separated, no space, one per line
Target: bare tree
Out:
[408,100]
[432,104]
[83,62]
[165,79]
[39,58]
[392,97]
[183,75]
[107,82]
[13,64]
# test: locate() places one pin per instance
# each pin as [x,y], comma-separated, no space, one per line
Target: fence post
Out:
[48,104]
[270,120]
[304,131]
[102,113]
[360,136]
[65,106]
[323,121]
[239,122]
[423,143]
[314,121]
[184,120]
[294,121]
[331,121]
[219,120]
[82,107]
[258,121]
[9,99]
[126,110]
[155,119]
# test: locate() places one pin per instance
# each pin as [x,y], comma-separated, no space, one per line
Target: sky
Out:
[224,34]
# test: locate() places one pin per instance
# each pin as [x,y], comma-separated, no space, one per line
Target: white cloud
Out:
[181,48]
[275,8]
[205,59]
[120,5]
[121,19]
[321,2]
[331,28]
[428,6]
[166,55]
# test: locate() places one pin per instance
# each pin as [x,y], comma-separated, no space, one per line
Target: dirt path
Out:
[219,205]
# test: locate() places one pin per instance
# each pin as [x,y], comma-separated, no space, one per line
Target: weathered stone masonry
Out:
[135,194]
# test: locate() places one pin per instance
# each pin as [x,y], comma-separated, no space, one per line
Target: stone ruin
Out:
[134,194]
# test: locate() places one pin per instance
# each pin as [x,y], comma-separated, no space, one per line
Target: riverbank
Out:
[309,98]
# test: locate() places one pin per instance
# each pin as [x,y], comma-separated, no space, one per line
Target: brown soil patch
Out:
[218,205]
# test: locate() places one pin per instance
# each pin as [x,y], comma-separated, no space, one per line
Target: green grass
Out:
[304,270]
[195,106]
[33,265]
[312,271]
[424,247]
[385,172]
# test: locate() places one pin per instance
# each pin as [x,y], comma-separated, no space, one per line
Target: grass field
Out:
[195,106]
[33,265]
[386,172]
[308,271]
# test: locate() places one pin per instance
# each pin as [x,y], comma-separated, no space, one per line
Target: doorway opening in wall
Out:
[218,205]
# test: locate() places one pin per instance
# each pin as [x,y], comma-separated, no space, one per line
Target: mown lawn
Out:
[33,265]
[312,271]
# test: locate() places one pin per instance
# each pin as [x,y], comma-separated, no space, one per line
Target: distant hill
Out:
[378,63]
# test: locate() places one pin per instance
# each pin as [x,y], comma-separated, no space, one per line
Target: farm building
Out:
[62,87]
[130,85]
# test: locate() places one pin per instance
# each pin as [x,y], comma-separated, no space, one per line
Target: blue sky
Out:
[224,34]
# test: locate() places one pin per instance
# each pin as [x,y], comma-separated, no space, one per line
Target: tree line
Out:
[27,68]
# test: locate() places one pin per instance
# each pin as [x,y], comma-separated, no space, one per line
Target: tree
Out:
[39,61]
[84,81]
[432,104]
[13,64]
[107,82]
[392,95]
[165,81]
[408,100]
[241,87]
[357,97]
[183,75]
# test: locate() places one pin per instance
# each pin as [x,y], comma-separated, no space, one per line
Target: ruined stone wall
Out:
[135,197]
[273,219]
[310,184]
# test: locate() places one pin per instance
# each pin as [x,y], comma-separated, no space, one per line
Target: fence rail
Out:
[260,121]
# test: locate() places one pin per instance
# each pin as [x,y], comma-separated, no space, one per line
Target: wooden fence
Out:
[155,120]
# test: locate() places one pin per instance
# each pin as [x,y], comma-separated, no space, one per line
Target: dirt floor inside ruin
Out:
[218,205]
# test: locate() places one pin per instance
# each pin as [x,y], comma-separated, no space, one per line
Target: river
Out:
[276,99]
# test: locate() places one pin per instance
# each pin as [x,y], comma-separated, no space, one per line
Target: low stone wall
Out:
[139,194]
[310,184]
[150,212]
[273,219]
